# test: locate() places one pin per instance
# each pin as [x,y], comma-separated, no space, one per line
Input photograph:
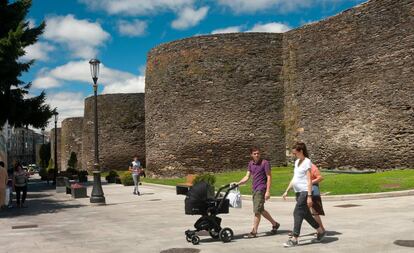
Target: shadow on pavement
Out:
[40,200]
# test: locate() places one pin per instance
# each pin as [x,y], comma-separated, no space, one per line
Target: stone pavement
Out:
[155,222]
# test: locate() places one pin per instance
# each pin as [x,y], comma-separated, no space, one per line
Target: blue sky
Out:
[121,32]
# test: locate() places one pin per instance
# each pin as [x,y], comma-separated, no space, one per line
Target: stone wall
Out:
[71,141]
[210,98]
[52,146]
[121,122]
[349,89]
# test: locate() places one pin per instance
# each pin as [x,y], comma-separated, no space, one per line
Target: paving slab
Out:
[155,222]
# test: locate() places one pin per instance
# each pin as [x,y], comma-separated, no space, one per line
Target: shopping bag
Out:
[234,198]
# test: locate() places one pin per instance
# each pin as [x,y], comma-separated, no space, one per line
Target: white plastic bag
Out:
[7,199]
[234,198]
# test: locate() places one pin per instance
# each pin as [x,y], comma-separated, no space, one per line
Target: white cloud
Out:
[132,29]
[133,85]
[32,22]
[137,7]
[114,81]
[81,37]
[281,6]
[45,82]
[273,27]
[69,104]
[231,29]
[142,69]
[38,51]
[189,17]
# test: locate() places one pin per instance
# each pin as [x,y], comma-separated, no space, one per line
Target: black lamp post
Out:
[55,148]
[43,135]
[97,195]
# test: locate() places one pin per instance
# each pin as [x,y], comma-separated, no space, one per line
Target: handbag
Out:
[315,190]
[234,198]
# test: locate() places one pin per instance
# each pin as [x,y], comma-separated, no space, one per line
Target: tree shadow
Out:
[40,200]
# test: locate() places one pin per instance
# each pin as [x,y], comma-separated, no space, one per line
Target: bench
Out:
[183,188]
[76,190]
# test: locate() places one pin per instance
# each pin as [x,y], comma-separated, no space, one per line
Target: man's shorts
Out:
[258,202]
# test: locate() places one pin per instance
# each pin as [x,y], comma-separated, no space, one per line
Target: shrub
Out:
[126,179]
[210,179]
[111,178]
[71,171]
[51,164]
[73,160]
[83,176]
[207,177]
[43,173]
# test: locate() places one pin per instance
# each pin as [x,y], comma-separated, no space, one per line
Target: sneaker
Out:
[135,193]
[275,228]
[290,243]
[319,237]
[250,235]
[139,194]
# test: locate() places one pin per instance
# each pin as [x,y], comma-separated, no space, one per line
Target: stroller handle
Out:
[229,186]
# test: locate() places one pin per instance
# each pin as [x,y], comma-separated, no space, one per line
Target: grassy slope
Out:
[333,183]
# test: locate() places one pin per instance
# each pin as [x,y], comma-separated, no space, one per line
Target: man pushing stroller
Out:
[261,173]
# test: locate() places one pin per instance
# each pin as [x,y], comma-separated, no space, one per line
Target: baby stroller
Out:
[201,200]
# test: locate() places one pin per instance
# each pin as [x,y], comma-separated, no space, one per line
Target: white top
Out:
[136,165]
[300,181]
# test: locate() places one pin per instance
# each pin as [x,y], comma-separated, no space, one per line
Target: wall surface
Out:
[349,89]
[71,141]
[121,122]
[209,99]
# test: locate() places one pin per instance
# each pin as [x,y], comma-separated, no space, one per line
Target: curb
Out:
[376,195]
[347,197]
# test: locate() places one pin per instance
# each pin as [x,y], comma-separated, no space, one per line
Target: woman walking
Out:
[20,179]
[302,185]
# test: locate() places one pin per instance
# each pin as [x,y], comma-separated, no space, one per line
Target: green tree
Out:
[15,36]
[73,160]
[44,154]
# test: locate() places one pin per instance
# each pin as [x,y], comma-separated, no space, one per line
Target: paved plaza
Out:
[155,222]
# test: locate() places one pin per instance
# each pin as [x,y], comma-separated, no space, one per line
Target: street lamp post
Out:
[43,135]
[55,149]
[97,195]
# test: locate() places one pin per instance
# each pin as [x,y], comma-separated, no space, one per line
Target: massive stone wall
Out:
[210,98]
[71,141]
[343,85]
[52,146]
[349,89]
[121,122]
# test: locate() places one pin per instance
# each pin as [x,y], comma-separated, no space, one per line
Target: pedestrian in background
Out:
[136,169]
[20,180]
[3,184]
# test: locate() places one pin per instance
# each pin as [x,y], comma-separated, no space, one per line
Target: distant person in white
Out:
[302,184]
[135,168]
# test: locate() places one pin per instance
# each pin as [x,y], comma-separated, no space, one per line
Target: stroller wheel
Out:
[214,234]
[226,234]
[188,238]
[195,240]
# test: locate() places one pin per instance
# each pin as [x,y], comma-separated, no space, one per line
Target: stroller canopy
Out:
[201,191]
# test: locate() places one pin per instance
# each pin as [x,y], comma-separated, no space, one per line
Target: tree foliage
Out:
[16,106]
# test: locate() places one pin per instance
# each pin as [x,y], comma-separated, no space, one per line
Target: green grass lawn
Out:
[333,184]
